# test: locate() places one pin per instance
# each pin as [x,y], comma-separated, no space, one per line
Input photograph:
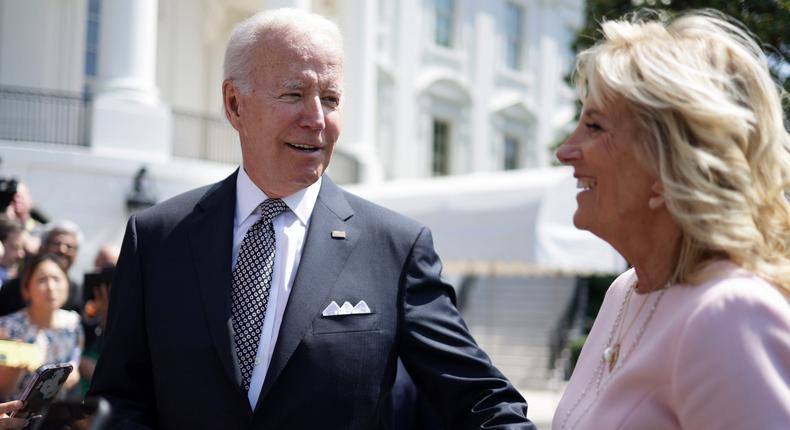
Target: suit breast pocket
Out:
[353,323]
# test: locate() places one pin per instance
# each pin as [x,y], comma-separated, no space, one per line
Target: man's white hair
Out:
[244,39]
[62,226]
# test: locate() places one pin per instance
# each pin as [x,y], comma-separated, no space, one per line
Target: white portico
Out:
[129,118]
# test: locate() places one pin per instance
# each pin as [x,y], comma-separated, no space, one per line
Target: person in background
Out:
[62,238]
[95,311]
[12,238]
[17,204]
[42,322]
[106,256]
[32,219]
[683,163]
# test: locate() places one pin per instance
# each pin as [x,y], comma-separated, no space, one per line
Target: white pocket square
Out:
[334,310]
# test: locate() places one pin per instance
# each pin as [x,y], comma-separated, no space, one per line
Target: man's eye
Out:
[331,101]
[291,96]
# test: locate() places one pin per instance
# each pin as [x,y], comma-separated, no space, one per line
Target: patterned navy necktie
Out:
[252,280]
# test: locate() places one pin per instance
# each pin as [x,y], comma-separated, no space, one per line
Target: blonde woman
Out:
[681,155]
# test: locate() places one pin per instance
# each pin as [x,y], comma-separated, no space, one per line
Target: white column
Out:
[410,133]
[129,119]
[485,64]
[358,22]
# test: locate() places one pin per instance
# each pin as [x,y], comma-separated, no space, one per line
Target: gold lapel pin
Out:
[338,234]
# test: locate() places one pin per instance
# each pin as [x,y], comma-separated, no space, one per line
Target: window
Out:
[441,148]
[512,153]
[514,33]
[92,41]
[443,34]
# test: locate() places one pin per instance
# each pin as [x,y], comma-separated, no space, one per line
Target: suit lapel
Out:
[323,259]
[211,238]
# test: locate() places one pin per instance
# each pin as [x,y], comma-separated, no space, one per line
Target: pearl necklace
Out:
[611,358]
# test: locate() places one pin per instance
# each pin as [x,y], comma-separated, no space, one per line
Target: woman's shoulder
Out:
[14,319]
[733,298]
[730,287]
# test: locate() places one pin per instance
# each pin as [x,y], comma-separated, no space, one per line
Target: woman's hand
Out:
[6,422]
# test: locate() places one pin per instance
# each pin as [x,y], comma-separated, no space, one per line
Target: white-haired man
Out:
[273,299]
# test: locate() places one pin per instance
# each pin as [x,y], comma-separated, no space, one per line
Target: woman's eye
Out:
[593,126]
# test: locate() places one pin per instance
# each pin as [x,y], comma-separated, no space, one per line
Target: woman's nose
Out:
[568,151]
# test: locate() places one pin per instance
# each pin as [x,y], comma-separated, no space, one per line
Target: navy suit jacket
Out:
[168,360]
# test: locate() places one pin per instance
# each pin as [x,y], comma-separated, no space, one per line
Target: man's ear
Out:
[230,98]
[656,199]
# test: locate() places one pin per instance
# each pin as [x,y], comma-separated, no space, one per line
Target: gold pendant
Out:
[610,355]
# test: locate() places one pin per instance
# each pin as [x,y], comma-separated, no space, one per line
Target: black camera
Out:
[8,188]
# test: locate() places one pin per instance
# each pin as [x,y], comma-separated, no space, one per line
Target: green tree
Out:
[768,20]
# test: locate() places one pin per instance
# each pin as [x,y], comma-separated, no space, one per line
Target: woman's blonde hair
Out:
[700,88]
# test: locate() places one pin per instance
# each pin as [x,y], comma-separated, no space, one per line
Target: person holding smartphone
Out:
[45,288]
[6,421]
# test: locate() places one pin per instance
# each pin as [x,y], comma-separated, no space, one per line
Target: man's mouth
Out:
[303,148]
[585,183]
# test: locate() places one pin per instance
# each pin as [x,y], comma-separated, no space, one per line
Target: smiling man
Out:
[275,300]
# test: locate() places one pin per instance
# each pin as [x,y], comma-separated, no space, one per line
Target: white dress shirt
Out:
[290,228]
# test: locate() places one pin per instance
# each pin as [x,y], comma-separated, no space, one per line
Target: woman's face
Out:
[48,287]
[615,186]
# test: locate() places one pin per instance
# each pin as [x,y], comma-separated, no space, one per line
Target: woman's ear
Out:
[656,199]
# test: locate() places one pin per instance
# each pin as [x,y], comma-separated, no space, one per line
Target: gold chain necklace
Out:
[598,374]
[612,351]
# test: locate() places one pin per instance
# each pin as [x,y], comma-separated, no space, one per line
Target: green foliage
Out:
[768,20]
[576,350]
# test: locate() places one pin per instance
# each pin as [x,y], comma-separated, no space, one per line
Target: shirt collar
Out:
[249,197]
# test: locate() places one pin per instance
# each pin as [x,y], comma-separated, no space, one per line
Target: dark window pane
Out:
[441,143]
[512,152]
[444,22]
[514,32]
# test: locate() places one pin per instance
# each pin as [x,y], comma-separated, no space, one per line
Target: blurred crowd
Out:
[48,313]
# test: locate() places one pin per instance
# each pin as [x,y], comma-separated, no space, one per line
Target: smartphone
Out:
[42,389]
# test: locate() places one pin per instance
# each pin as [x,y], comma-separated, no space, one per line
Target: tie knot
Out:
[270,208]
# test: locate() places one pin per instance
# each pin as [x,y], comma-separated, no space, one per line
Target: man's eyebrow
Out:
[292,85]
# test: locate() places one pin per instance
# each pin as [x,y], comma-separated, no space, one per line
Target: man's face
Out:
[64,244]
[14,250]
[290,121]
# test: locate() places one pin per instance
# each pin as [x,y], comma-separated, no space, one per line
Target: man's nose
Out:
[313,114]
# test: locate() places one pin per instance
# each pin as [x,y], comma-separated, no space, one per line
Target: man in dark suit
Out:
[230,313]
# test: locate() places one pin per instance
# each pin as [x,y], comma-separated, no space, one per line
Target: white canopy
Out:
[502,223]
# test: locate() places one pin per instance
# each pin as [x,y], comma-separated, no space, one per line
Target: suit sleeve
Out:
[123,373]
[436,347]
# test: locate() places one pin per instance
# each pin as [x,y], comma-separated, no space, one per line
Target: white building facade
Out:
[91,90]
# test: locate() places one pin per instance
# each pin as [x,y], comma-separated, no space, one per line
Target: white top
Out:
[713,356]
[290,228]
